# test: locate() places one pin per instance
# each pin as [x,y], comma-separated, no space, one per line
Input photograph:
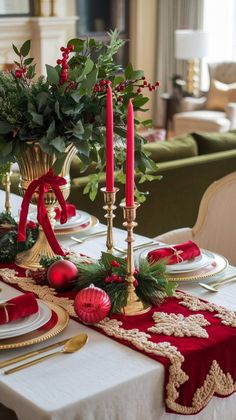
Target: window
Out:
[219,20]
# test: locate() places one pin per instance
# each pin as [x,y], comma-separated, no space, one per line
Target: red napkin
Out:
[70,209]
[18,307]
[176,253]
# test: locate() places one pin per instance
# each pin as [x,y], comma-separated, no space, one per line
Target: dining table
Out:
[105,380]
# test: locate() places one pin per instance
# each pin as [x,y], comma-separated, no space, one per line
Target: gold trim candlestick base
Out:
[134,305]
[109,200]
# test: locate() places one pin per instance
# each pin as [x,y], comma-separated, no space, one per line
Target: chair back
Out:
[224,72]
[215,228]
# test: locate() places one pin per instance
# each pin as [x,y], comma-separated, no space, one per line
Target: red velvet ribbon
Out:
[43,184]
[175,253]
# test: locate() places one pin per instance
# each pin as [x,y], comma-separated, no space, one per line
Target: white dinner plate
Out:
[28,324]
[80,218]
[201,261]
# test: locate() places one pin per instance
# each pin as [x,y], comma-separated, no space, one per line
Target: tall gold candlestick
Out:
[134,305]
[7,185]
[109,200]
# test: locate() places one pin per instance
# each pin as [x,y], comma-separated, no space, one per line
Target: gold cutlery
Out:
[33,353]
[85,238]
[70,346]
[136,247]
[214,287]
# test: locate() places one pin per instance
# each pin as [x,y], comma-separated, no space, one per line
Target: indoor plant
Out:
[44,121]
[68,107]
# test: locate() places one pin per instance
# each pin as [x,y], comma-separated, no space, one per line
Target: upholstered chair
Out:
[214,112]
[215,228]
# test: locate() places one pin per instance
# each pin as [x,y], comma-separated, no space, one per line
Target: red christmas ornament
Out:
[92,304]
[61,274]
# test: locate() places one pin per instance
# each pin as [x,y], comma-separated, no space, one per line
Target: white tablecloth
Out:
[105,380]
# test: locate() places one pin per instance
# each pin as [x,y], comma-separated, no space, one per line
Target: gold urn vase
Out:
[33,164]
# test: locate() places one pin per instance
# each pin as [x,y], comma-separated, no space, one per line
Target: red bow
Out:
[49,180]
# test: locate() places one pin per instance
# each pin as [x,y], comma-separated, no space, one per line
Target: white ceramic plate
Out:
[80,218]
[201,261]
[28,324]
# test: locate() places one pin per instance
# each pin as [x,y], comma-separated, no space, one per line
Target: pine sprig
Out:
[109,273]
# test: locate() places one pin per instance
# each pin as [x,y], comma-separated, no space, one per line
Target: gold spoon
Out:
[214,287]
[72,345]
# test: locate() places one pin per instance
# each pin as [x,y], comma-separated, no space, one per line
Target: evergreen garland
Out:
[109,274]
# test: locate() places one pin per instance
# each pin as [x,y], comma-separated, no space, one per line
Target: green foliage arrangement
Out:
[8,238]
[109,273]
[69,106]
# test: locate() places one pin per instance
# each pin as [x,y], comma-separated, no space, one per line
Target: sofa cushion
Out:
[176,148]
[215,142]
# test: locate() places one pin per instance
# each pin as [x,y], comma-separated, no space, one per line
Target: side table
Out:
[172,107]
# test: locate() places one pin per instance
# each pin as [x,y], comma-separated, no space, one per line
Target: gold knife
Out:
[33,353]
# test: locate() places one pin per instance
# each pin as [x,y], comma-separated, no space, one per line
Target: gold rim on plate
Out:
[38,335]
[206,272]
[92,223]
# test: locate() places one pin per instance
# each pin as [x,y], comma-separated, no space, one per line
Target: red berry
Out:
[65,66]
[115,263]
[58,61]
[71,47]
[18,73]
[65,55]
[145,83]
[62,49]
[157,83]
[150,89]
[135,283]
[138,90]
[143,78]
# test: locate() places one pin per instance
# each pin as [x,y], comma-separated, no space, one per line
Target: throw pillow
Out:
[179,147]
[215,142]
[220,94]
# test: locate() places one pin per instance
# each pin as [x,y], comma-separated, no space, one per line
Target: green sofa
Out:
[188,165]
[172,202]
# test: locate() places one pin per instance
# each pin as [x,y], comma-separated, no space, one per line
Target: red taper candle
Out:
[130,157]
[109,141]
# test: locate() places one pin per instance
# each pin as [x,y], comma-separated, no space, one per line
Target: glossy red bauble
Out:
[92,304]
[61,274]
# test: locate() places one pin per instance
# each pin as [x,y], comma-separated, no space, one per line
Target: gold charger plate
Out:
[93,222]
[219,264]
[40,334]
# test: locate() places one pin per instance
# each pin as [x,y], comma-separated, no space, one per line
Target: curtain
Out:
[172,15]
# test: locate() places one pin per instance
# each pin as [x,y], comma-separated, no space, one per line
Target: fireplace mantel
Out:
[47,34]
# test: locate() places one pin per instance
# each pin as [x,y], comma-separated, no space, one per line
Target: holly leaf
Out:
[16,50]
[58,164]
[28,61]
[58,143]
[25,49]
[52,75]
[129,71]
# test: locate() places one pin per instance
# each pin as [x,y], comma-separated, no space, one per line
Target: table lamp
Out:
[192,46]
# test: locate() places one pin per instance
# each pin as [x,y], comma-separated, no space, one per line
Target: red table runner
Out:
[194,340]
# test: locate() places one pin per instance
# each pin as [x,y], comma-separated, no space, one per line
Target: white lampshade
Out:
[191,44]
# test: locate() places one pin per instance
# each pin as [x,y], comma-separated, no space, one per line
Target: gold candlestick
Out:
[134,305]
[109,200]
[7,185]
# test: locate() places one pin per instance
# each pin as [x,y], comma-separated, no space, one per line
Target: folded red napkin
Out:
[18,307]
[71,211]
[175,253]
